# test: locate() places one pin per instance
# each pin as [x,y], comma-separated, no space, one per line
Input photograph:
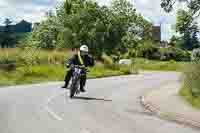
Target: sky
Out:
[34,11]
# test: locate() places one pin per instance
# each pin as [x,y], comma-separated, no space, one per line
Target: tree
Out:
[132,26]
[188,29]
[103,29]
[1,38]
[8,36]
[45,35]
[186,21]
[7,22]
[192,5]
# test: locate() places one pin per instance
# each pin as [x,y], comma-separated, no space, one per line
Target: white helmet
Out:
[84,48]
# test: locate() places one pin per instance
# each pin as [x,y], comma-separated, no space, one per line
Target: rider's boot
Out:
[82,89]
[64,86]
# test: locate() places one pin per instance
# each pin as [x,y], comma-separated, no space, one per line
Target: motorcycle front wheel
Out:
[74,87]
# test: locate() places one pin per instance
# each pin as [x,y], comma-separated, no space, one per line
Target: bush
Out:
[39,73]
[186,93]
[182,55]
[196,55]
[107,60]
[192,78]
[147,50]
[7,60]
[8,56]
[145,64]
[130,54]
[101,71]
[125,69]
[172,62]
[115,58]
[191,87]
[172,53]
[30,57]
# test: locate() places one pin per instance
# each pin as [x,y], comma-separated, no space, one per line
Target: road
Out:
[111,105]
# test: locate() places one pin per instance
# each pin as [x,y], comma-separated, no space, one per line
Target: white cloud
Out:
[30,10]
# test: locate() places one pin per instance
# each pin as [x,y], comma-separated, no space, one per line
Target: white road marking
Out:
[53,114]
[49,100]
[54,96]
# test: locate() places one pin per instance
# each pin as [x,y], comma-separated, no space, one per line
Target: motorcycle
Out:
[78,72]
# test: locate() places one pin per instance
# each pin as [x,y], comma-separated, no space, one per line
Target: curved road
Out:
[111,105]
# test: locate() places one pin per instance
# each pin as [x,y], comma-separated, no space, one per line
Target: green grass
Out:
[144,64]
[187,95]
[34,66]
[34,56]
[56,71]
[191,87]
[43,73]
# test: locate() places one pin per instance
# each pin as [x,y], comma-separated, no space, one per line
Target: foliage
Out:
[173,53]
[29,57]
[196,55]
[21,39]
[8,38]
[130,54]
[191,87]
[152,65]
[36,65]
[147,50]
[103,29]
[39,57]
[52,72]
[8,56]
[187,19]
[192,78]
[107,60]
[193,6]
[188,29]
[187,95]
[150,50]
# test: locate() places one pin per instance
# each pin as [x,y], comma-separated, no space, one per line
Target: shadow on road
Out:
[92,99]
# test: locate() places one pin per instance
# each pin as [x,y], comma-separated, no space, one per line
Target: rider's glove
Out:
[71,66]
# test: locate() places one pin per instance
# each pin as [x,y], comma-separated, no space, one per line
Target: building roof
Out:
[23,21]
[22,26]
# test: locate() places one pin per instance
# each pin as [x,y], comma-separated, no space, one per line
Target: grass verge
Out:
[187,95]
[151,65]
[44,73]
[191,87]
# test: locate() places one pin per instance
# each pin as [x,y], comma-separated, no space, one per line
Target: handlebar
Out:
[80,67]
[77,66]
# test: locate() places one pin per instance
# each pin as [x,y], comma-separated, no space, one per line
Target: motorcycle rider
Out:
[82,58]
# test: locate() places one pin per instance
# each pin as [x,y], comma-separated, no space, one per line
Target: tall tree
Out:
[192,5]
[188,29]
[79,22]
[186,21]
[132,25]
[8,36]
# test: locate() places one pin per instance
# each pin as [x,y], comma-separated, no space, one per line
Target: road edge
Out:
[171,116]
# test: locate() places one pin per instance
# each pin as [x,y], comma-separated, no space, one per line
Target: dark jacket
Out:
[87,60]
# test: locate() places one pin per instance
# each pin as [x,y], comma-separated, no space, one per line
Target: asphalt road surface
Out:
[111,105]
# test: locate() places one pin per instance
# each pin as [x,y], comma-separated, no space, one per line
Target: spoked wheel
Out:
[73,88]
